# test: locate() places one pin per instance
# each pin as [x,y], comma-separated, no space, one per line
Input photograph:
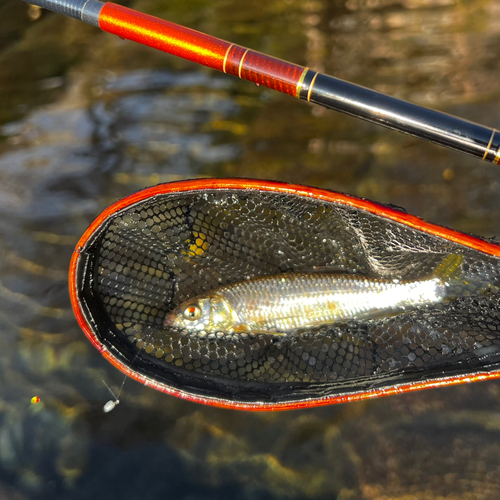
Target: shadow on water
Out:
[87,118]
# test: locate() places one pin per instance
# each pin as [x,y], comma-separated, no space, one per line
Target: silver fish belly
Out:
[285,303]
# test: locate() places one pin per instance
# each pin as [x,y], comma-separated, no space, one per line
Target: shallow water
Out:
[86,118]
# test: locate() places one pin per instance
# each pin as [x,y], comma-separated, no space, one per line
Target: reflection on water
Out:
[87,118]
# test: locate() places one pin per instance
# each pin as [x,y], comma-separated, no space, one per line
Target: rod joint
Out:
[87,11]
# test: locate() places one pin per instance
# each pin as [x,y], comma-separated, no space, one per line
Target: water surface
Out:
[86,118]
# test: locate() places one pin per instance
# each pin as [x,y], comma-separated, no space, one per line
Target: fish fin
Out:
[241,329]
[450,268]
[267,332]
[248,330]
[322,269]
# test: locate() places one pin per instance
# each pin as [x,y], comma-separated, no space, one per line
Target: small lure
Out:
[280,304]
[110,405]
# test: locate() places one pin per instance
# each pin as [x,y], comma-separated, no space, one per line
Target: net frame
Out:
[79,277]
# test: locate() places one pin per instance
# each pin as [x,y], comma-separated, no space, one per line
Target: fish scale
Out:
[289,301]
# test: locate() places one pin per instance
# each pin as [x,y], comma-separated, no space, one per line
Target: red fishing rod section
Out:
[202,49]
[449,131]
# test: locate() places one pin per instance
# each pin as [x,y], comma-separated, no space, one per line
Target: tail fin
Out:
[460,283]
[450,268]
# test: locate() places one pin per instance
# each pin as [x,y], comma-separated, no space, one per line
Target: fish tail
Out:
[458,282]
[450,269]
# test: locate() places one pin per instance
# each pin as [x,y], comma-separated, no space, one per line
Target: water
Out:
[86,118]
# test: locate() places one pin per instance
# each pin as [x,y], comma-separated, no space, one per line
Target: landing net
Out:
[153,255]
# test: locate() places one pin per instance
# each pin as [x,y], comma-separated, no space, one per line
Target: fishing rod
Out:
[298,81]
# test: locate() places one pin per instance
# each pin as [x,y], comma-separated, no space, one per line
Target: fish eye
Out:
[192,312]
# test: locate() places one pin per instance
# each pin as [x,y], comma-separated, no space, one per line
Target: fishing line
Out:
[110,405]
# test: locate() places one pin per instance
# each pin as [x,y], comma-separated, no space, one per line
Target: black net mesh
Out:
[154,255]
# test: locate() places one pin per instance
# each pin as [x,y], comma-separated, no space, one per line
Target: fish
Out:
[285,302]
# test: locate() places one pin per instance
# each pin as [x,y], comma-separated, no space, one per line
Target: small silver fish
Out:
[280,304]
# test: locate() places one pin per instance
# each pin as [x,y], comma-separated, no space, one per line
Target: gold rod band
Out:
[225,57]
[311,87]
[241,63]
[300,82]
[489,144]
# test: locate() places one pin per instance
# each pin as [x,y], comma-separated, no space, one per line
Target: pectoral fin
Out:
[267,332]
[240,329]
[246,329]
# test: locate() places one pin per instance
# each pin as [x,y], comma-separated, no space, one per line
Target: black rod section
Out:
[434,126]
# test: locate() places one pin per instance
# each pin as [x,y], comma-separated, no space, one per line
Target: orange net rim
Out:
[281,188]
